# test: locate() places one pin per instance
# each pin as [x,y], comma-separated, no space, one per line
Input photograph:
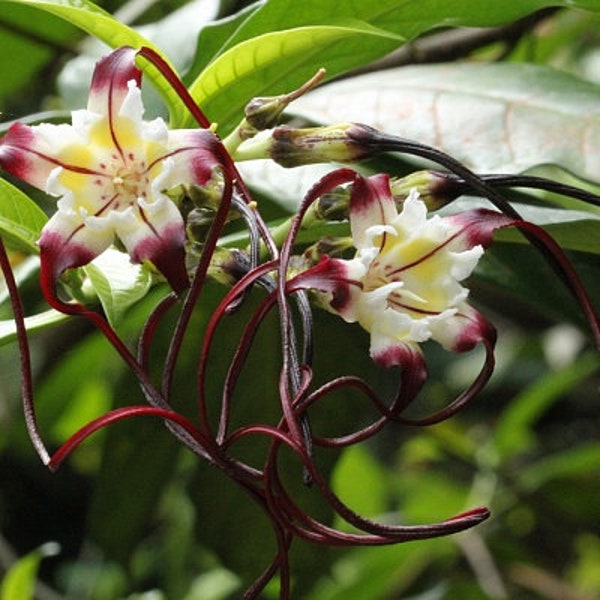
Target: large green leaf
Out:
[494,117]
[21,220]
[514,279]
[215,38]
[257,66]
[35,38]
[92,19]
[399,17]
[407,18]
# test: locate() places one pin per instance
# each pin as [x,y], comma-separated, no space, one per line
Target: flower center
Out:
[127,178]
[377,276]
[407,298]
[130,181]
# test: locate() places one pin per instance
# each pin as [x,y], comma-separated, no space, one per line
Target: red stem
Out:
[25,357]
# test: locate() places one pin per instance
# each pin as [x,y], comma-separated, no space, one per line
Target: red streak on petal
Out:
[18,154]
[145,219]
[106,205]
[410,308]
[110,84]
[425,256]
[203,159]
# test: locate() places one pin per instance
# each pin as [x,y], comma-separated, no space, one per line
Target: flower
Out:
[404,283]
[110,170]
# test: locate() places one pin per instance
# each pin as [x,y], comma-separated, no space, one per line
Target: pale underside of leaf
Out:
[492,117]
[118,283]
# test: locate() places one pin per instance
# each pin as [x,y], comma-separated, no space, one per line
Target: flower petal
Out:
[338,280]
[371,203]
[463,330]
[155,233]
[196,155]
[476,227]
[110,81]
[389,352]
[32,153]
[67,242]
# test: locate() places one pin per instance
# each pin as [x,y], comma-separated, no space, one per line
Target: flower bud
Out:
[294,147]
[265,112]
[198,224]
[228,265]
[330,246]
[333,205]
[435,188]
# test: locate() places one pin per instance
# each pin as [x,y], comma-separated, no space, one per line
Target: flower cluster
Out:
[400,273]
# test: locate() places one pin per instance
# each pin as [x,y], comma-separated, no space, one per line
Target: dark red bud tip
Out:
[474,515]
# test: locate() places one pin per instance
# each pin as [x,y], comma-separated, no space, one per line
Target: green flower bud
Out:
[435,188]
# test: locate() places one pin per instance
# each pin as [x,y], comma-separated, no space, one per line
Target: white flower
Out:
[404,283]
[110,170]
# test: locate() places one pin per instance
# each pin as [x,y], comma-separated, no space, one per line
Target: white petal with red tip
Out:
[371,203]
[407,276]
[162,219]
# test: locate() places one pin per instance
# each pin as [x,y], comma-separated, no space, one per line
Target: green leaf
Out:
[493,117]
[24,272]
[514,280]
[264,65]
[361,482]
[583,460]
[92,19]
[118,283]
[513,433]
[38,322]
[21,220]
[18,26]
[19,581]
[215,38]
[397,17]
[400,17]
